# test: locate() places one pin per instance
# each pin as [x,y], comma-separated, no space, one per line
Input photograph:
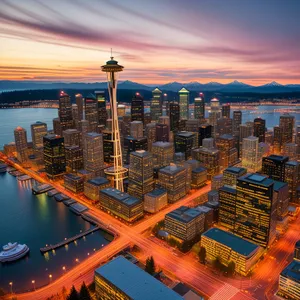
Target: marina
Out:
[53,192]
[61,197]
[69,202]
[24,177]
[78,208]
[41,188]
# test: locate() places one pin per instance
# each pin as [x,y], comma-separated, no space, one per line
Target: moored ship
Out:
[13,251]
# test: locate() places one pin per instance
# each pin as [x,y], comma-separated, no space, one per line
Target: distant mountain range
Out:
[234,86]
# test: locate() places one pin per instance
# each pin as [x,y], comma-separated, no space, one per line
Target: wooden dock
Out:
[69,240]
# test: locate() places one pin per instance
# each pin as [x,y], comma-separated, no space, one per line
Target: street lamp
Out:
[11,286]
[77,260]
[50,277]
[64,268]
[33,283]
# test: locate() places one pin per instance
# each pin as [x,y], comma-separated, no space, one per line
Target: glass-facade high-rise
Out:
[255,209]
[199,110]
[156,104]
[184,96]
[137,108]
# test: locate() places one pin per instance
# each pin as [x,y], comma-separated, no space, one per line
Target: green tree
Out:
[84,293]
[73,294]
[202,255]
[231,268]
[150,265]
[64,293]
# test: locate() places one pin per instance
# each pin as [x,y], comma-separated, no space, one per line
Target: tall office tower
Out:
[164,120]
[292,177]
[150,133]
[269,137]
[217,182]
[274,166]
[57,126]
[162,133]
[137,108]
[72,137]
[224,126]
[290,150]
[246,130]
[225,143]
[121,110]
[227,199]
[259,129]
[74,158]
[140,174]
[209,158]
[156,104]
[93,153]
[173,179]
[65,111]
[54,156]
[237,121]
[75,115]
[108,146]
[174,116]
[192,125]
[117,171]
[199,109]
[277,140]
[226,110]
[251,157]
[185,142]
[101,106]
[205,131]
[79,103]
[38,130]
[255,209]
[231,174]
[136,129]
[184,101]
[131,144]
[83,127]
[287,124]
[281,196]
[182,124]
[91,113]
[208,143]
[147,118]
[214,114]
[21,143]
[163,154]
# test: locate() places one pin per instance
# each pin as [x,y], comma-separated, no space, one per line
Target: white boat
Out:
[13,251]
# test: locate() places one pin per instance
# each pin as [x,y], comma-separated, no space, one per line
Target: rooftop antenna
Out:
[111,53]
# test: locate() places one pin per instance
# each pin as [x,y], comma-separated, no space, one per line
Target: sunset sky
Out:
[157,41]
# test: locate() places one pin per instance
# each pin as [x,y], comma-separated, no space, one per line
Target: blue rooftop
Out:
[157,192]
[292,271]
[236,170]
[184,214]
[199,170]
[135,282]
[98,181]
[232,241]
[120,196]
[279,185]
[257,179]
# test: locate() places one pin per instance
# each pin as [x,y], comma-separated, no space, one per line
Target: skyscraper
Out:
[38,131]
[79,103]
[228,153]
[21,143]
[214,114]
[237,121]
[259,129]
[137,108]
[226,110]
[287,124]
[101,106]
[74,158]
[91,112]
[274,166]
[224,126]
[184,142]
[174,116]
[93,153]
[251,156]
[117,171]
[255,209]
[163,154]
[140,174]
[72,137]
[246,130]
[150,133]
[184,96]
[227,200]
[136,129]
[156,104]
[205,131]
[292,171]
[65,111]
[162,133]
[54,156]
[199,110]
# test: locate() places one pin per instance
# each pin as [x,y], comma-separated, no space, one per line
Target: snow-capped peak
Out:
[273,83]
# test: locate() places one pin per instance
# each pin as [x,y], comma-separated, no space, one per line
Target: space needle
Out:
[117,171]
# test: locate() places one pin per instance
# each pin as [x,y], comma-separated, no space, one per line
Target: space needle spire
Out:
[117,171]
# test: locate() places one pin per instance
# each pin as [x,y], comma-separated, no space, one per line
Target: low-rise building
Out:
[73,183]
[121,204]
[155,200]
[199,178]
[231,248]
[93,187]
[209,215]
[217,182]
[121,279]
[184,223]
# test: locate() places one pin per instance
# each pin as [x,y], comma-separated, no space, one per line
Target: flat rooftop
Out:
[292,163]
[157,192]
[140,153]
[162,144]
[232,241]
[257,179]
[199,170]
[236,170]
[135,282]
[186,134]
[292,271]
[98,181]
[73,176]
[184,214]
[228,189]
[279,185]
[120,196]
[171,170]
[276,157]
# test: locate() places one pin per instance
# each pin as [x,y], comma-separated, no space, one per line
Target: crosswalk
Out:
[225,293]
